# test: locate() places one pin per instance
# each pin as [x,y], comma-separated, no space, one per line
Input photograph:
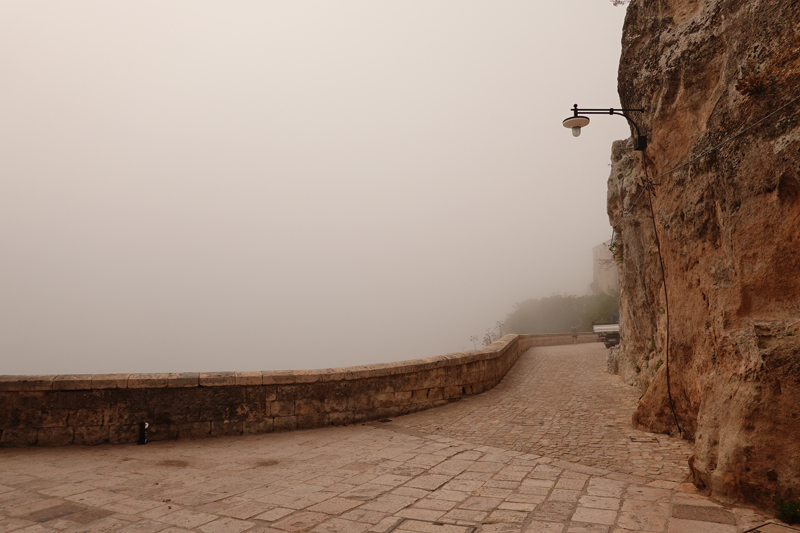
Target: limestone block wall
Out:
[108,408]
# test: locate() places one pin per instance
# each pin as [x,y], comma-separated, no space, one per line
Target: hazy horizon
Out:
[204,186]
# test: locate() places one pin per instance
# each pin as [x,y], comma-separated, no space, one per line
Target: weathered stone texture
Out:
[729,231]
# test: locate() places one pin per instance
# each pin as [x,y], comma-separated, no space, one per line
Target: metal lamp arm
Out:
[640,143]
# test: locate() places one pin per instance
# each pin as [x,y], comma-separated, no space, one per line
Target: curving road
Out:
[549,450]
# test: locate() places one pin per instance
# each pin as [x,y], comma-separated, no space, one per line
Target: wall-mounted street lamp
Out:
[577,121]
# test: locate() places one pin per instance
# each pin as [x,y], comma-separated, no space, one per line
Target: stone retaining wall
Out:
[109,408]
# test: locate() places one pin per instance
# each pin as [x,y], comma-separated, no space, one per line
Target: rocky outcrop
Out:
[726,229]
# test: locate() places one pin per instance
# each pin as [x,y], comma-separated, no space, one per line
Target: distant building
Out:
[605,278]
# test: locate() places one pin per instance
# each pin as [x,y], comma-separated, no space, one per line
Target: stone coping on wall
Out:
[270,377]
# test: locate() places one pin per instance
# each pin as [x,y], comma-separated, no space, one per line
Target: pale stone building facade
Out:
[605,278]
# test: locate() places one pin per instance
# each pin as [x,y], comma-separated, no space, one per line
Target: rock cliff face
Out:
[727,229]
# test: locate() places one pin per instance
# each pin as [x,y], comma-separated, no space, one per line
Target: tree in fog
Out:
[557,314]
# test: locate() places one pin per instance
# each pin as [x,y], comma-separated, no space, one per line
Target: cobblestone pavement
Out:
[378,477]
[561,403]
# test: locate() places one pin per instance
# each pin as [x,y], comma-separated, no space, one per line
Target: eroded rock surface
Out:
[728,226]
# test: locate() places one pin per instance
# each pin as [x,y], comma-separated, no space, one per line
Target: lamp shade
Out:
[575,122]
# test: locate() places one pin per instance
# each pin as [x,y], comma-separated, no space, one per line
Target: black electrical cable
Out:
[666,309]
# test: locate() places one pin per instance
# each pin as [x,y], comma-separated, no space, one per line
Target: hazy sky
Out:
[202,186]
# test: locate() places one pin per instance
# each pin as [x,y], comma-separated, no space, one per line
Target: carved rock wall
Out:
[728,226]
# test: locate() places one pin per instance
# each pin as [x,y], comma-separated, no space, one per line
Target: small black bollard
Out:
[143,433]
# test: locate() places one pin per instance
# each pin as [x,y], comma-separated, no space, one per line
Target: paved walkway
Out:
[481,465]
[561,403]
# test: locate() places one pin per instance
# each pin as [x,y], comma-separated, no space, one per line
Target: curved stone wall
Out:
[109,408]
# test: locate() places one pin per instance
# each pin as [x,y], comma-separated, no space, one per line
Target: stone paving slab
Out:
[373,478]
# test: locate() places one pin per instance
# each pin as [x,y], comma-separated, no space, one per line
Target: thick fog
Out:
[204,186]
